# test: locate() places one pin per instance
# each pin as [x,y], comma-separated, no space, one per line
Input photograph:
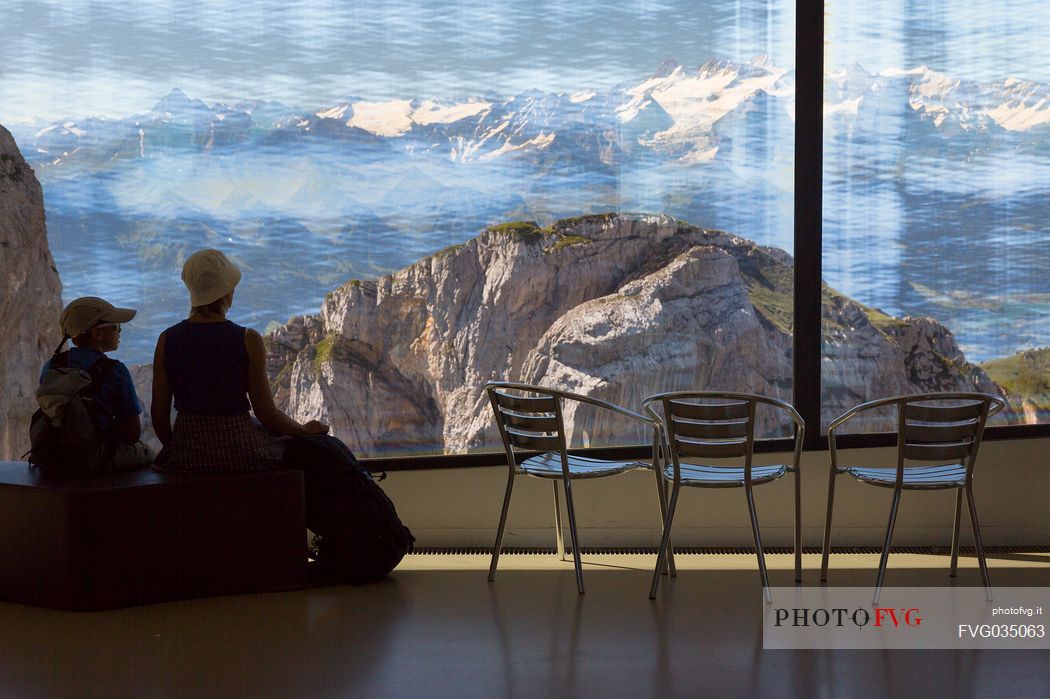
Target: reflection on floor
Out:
[438,628]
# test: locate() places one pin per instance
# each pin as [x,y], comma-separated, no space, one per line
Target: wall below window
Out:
[461,507]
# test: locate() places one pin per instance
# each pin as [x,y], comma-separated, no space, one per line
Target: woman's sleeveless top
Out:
[207,367]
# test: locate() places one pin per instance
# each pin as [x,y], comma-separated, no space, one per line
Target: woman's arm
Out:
[262,399]
[160,405]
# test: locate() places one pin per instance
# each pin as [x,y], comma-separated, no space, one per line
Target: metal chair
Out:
[943,430]
[530,418]
[706,425]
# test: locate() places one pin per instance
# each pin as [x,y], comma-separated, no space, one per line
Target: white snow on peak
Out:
[897,72]
[396,117]
[336,112]
[464,149]
[1019,115]
[432,112]
[699,155]
[1014,105]
[695,101]
[68,127]
[540,142]
[933,84]
[392,118]
[849,107]
[72,128]
[578,97]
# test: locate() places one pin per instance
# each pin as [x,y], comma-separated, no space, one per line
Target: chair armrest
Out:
[620,410]
[800,428]
[857,409]
[606,405]
[846,417]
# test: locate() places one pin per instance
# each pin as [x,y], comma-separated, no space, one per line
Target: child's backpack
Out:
[360,537]
[65,436]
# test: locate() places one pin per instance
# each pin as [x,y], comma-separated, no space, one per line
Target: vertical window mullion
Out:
[809,142]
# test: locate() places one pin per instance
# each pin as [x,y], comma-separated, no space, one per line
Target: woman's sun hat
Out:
[209,275]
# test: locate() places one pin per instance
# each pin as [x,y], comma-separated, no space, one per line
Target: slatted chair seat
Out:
[703,476]
[529,418]
[549,466]
[705,426]
[915,477]
[931,427]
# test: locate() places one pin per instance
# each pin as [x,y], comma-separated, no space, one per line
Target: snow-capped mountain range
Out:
[676,112]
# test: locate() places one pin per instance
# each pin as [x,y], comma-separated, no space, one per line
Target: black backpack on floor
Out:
[360,536]
[65,436]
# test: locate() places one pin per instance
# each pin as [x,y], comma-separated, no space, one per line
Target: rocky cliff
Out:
[30,296]
[1026,378]
[614,306]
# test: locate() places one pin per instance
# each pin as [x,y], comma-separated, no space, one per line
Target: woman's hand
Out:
[314,427]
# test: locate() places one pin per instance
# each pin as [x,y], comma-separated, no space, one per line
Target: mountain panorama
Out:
[360,188]
[617,306]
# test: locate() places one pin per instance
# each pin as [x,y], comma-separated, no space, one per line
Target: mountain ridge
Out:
[617,306]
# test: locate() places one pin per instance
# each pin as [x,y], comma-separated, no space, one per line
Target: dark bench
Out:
[124,539]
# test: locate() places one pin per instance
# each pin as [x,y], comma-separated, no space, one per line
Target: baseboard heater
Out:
[720,550]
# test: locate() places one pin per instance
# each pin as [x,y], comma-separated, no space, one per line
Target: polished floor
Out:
[437,628]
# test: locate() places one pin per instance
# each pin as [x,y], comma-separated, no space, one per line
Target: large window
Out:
[598,196]
[630,162]
[935,202]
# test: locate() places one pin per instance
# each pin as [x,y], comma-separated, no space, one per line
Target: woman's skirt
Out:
[220,444]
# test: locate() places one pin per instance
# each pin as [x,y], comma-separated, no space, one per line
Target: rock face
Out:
[30,296]
[614,306]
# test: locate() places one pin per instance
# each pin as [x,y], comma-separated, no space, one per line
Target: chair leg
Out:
[798,527]
[886,547]
[560,544]
[827,527]
[758,543]
[665,542]
[978,543]
[496,547]
[574,536]
[662,495]
[955,533]
[661,491]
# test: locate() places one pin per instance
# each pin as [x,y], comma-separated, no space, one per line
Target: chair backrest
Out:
[702,425]
[941,427]
[710,426]
[528,417]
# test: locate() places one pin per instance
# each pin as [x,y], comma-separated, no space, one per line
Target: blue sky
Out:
[74,58]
